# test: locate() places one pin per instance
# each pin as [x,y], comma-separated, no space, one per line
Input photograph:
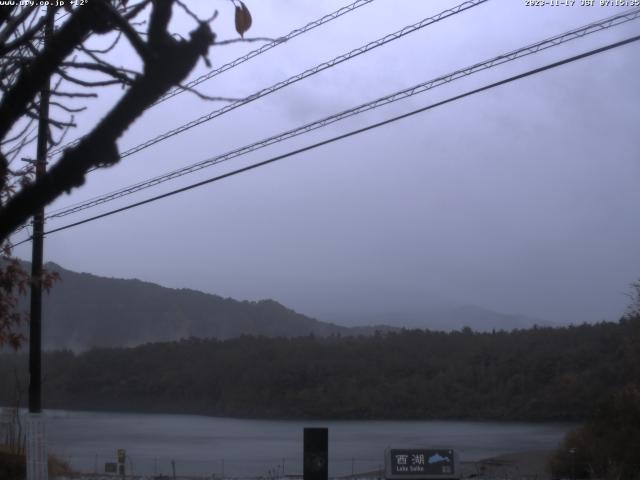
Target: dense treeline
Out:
[607,445]
[536,374]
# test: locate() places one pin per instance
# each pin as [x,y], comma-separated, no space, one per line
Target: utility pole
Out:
[35,324]
[37,468]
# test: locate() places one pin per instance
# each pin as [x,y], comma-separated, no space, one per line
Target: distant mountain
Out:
[84,310]
[484,320]
[445,319]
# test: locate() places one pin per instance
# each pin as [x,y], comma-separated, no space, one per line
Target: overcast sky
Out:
[523,199]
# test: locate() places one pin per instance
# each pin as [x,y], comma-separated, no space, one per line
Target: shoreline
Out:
[529,464]
[526,464]
[487,420]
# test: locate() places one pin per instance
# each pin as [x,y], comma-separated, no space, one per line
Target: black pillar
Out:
[35,325]
[316,454]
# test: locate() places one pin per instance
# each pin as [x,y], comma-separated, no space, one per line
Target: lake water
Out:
[235,447]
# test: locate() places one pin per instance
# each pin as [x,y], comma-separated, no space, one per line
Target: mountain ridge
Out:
[84,310]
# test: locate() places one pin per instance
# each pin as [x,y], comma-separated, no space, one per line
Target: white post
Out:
[37,461]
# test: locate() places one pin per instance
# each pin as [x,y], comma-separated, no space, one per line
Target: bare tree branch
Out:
[104,50]
[125,27]
[207,97]
[27,36]
[249,40]
[54,142]
[169,63]
[13,23]
[31,80]
[74,94]
[5,14]
[133,10]
[115,72]
[29,63]
[87,83]
[68,109]
[18,135]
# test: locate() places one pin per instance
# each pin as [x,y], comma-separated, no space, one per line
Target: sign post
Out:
[421,464]
[122,455]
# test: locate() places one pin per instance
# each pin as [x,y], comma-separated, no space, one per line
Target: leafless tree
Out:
[65,57]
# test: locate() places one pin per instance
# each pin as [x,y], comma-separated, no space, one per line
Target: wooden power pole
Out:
[37,468]
[35,325]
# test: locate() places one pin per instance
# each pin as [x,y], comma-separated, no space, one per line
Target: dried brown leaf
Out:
[243,18]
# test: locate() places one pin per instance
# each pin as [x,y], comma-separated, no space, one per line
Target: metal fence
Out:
[220,468]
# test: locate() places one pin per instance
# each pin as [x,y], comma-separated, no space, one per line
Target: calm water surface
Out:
[236,447]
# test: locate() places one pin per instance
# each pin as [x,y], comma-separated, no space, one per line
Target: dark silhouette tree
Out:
[607,445]
[68,60]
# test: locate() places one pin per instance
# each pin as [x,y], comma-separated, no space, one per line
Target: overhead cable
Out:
[394,97]
[268,46]
[349,134]
[248,56]
[305,74]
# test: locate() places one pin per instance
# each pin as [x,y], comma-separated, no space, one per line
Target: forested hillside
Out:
[84,310]
[536,374]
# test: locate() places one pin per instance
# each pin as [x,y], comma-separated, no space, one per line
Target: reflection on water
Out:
[234,447]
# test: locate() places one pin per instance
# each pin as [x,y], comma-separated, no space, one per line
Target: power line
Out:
[307,73]
[580,32]
[268,46]
[351,133]
[254,53]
